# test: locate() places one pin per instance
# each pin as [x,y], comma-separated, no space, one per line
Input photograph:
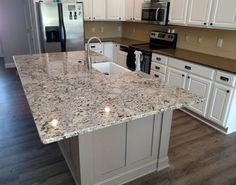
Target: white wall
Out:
[13,29]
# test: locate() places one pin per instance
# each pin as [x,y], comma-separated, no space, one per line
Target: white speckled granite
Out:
[66,101]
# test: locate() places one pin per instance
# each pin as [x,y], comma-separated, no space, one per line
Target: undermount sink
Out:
[109,68]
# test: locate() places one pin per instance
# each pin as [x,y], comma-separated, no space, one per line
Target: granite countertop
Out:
[220,63]
[66,100]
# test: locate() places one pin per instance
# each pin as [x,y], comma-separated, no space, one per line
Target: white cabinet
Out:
[121,58]
[199,12]
[201,87]
[108,50]
[178,12]
[94,9]
[219,106]
[133,9]
[224,14]
[176,77]
[116,48]
[115,9]
[204,13]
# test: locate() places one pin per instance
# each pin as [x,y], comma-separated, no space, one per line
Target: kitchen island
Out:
[111,128]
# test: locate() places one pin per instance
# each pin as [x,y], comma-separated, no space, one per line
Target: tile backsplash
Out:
[195,39]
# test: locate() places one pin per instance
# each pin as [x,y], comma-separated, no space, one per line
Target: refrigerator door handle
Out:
[62,28]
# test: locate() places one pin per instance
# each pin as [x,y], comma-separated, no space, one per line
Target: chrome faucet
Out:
[89,60]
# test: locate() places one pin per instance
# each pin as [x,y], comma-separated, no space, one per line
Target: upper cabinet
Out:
[94,9]
[133,9]
[115,9]
[224,14]
[203,13]
[178,12]
[199,12]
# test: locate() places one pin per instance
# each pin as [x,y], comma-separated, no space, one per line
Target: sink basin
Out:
[109,68]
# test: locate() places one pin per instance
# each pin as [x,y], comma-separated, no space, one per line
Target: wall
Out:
[13,30]
[103,29]
[188,38]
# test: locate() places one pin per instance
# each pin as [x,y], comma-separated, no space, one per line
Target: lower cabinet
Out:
[176,77]
[201,87]
[220,103]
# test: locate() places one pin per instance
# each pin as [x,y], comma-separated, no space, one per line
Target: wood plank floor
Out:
[198,154]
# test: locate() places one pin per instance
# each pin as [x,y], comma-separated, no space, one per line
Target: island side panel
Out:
[163,160]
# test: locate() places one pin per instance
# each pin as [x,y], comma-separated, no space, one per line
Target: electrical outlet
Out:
[102,29]
[220,42]
[199,39]
[119,28]
[93,30]
[187,37]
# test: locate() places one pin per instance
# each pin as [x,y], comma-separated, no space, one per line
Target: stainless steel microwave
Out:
[155,12]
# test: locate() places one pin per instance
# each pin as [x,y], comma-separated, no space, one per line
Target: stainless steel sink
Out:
[109,68]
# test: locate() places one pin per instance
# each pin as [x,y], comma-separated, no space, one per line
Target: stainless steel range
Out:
[158,40]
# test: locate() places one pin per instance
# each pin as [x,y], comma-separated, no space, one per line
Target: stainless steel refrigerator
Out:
[61,26]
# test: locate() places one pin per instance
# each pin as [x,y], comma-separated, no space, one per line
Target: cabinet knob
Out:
[158,58]
[89,17]
[157,67]
[211,24]
[120,18]
[156,75]
[133,18]
[204,23]
[93,17]
[188,77]
[183,75]
[228,91]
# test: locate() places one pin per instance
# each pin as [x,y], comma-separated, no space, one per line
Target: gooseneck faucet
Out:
[89,60]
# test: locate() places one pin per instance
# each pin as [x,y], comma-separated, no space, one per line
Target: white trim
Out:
[10,65]
[204,121]
[163,163]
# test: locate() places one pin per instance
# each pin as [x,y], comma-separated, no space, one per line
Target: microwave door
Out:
[149,14]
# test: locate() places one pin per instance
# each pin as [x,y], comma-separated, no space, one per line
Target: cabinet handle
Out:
[224,78]
[188,67]
[211,24]
[158,58]
[228,91]
[183,75]
[156,75]
[157,67]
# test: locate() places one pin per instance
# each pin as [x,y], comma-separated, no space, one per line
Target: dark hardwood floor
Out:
[198,154]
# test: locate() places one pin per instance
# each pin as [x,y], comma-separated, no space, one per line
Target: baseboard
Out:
[205,121]
[130,175]
[10,65]
[163,164]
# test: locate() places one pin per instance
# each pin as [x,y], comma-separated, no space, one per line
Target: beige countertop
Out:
[66,100]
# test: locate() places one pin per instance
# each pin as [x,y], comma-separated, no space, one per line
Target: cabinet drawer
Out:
[158,67]
[98,51]
[192,68]
[157,75]
[225,78]
[159,58]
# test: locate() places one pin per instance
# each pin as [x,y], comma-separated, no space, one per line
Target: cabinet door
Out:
[224,14]
[129,9]
[138,10]
[178,12]
[116,48]
[108,50]
[199,12]
[87,9]
[121,58]
[114,9]
[176,77]
[221,97]
[99,9]
[200,87]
